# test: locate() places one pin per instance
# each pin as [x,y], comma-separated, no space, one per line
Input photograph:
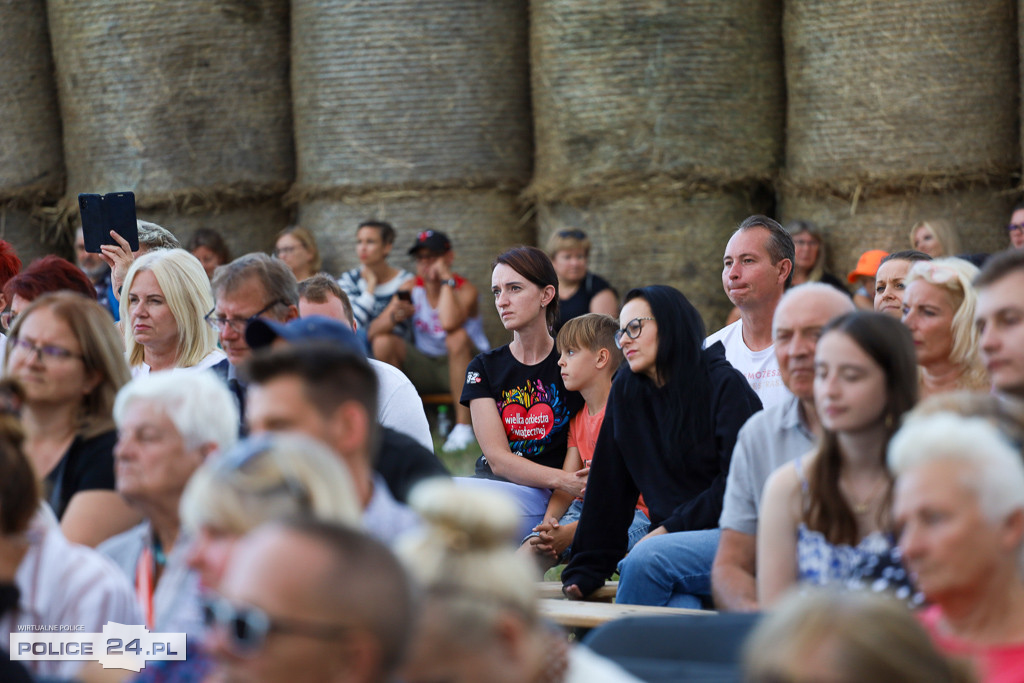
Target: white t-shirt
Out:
[399,405]
[761,368]
[208,361]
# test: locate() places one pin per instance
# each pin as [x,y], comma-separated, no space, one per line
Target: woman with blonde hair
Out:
[64,351]
[579,290]
[845,637]
[938,309]
[480,619]
[936,237]
[168,296]
[297,247]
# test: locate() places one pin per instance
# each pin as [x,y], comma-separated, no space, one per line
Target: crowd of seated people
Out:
[241,454]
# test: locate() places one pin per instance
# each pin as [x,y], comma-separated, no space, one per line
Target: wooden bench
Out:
[583,614]
[552,590]
[437,399]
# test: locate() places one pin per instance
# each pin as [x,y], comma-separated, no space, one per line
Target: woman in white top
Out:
[167,297]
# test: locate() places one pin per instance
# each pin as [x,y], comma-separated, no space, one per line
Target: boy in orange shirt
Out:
[589,359]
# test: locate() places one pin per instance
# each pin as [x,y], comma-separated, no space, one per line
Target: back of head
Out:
[779,244]
[375,595]
[10,264]
[534,265]
[19,488]
[591,332]
[465,559]
[1007,415]
[186,290]
[198,403]
[266,478]
[153,237]
[102,352]
[272,274]
[48,274]
[320,287]
[850,635]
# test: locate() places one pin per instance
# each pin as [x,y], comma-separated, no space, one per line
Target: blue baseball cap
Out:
[261,333]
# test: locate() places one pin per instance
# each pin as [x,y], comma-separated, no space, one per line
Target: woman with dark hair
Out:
[519,405]
[209,247]
[669,428]
[826,517]
[890,277]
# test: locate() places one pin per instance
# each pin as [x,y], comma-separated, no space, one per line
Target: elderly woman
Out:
[938,308]
[168,295]
[937,238]
[579,290]
[168,423]
[65,352]
[959,501]
[480,620]
[297,247]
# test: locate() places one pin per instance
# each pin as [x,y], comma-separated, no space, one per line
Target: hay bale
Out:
[884,222]
[20,227]
[646,240]
[480,223]
[627,92]
[410,93]
[31,157]
[245,228]
[160,97]
[893,93]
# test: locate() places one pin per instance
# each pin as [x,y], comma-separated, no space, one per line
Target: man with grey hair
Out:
[252,286]
[757,268]
[167,423]
[772,438]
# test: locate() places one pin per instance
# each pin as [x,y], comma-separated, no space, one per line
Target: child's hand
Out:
[559,538]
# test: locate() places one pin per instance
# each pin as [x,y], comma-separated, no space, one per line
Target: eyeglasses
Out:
[572,234]
[632,330]
[247,627]
[805,243]
[237,324]
[44,352]
[7,319]
[1015,227]
[282,251]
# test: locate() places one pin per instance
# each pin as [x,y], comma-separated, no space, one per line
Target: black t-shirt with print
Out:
[534,405]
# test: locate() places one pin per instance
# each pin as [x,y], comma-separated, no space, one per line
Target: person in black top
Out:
[579,290]
[670,425]
[520,407]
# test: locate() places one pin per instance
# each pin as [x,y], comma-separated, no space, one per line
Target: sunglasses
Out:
[246,627]
[632,330]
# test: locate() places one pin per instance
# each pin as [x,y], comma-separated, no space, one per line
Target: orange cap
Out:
[867,264]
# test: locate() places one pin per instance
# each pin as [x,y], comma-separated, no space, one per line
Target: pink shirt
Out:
[995,663]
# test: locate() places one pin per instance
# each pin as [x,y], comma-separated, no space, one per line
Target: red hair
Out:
[48,274]
[10,264]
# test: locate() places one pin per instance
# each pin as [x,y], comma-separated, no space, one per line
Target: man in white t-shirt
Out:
[757,268]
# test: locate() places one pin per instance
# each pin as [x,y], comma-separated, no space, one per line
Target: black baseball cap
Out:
[432,240]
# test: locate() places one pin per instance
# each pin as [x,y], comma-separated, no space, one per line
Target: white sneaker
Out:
[459,438]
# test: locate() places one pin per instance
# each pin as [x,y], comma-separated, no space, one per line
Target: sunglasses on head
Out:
[246,627]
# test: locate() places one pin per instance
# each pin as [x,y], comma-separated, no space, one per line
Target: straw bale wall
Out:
[184,102]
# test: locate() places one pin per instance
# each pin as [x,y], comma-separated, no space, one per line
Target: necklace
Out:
[863,506]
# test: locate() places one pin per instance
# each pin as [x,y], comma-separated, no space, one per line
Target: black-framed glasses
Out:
[1014,227]
[247,627]
[632,330]
[237,324]
[572,234]
[43,352]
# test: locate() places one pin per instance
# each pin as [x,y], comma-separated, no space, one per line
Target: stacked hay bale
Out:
[899,111]
[655,124]
[184,102]
[31,159]
[415,112]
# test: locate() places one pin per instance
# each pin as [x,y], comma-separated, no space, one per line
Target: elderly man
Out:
[772,438]
[167,423]
[252,286]
[319,602]
[758,266]
[399,406]
[999,315]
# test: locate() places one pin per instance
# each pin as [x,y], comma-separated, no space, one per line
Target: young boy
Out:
[589,359]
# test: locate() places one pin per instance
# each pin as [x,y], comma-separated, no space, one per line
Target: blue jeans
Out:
[638,528]
[672,570]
